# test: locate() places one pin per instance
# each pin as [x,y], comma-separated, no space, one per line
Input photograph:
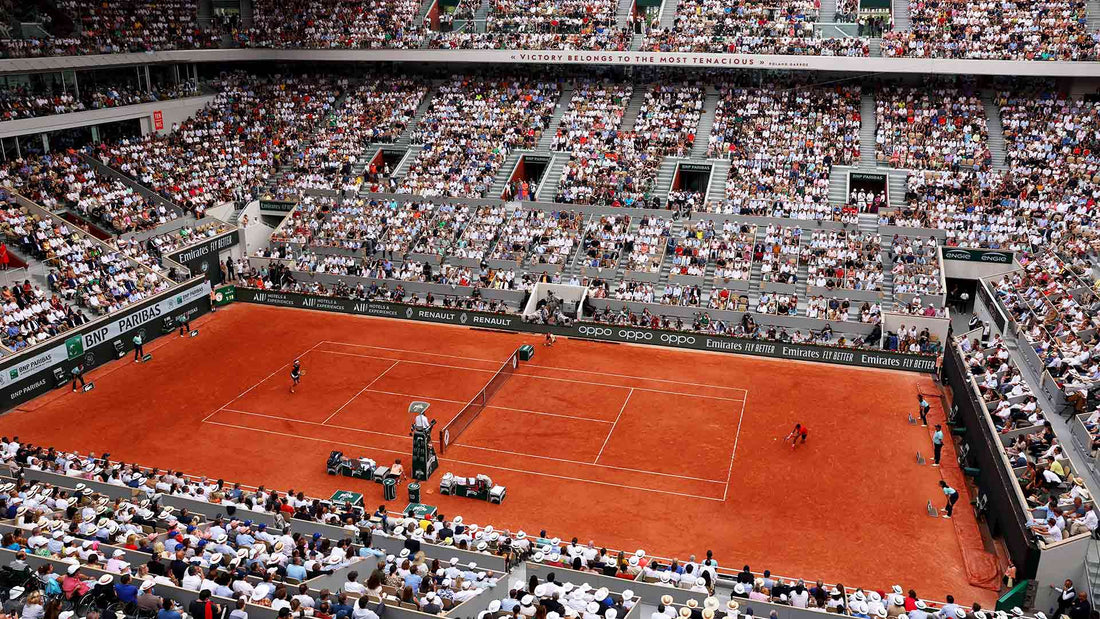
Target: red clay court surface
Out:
[631,446]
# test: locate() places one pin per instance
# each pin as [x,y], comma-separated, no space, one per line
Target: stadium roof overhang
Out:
[687,60]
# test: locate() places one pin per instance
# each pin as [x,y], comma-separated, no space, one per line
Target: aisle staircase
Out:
[896,183]
[480,15]
[900,9]
[246,13]
[548,186]
[996,140]
[668,13]
[500,180]
[706,125]
[634,107]
[838,185]
[665,174]
[421,111]
[548,133]
[622,14]
[403,166]
[867,127]
[719,173]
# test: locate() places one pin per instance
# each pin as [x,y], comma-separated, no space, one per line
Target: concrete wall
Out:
[173,110]
[1075,69]
[976,270]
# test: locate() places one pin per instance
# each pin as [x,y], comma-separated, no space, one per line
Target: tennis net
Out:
[478,403]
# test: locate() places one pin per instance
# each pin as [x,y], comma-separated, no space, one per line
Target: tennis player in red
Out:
[797,435]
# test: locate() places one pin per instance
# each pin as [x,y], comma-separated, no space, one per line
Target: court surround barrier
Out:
[1006,515]
[593,331]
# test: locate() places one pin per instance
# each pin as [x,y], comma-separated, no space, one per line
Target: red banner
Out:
[158,120]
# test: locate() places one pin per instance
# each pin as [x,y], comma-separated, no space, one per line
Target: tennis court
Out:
[671,451]
[589,422]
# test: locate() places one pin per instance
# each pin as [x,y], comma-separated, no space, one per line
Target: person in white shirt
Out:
[353,585]
[192,579]
[1084,524]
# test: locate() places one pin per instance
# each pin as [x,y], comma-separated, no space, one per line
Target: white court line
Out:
[661,380]
[417,352]
[547,367]
[482,464]
[263,380]
[564,380]
[612,430]
[736,437]
[312,423]
[360,391]
[465,402]
[503,451]
[605,466]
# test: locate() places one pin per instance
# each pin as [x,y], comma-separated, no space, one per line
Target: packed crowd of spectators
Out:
[1051,149]
[98,538]
[66,180]
[844,259]
[917,269]
[542,237]
[1044,197]
[1054,495]
[747,27]
[644,247]
[231,145]
[603,242]
[619,168]
[539,24]
[26,102]
[30,315]
[734,253]
[373,225]
[118,27]
[82,272]
[479,235]
[746,327]
[278,276]
[782,142]
[1055,307]
[693,247]
[376,110]
[779,254]
[937,128]
[334,24]
[975,209]
[1046,30]
[469,129]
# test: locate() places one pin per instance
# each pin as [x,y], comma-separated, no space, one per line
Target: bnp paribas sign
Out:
[962,254]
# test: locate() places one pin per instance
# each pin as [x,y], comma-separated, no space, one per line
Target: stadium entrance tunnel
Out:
[870,183]
[525,178]
[691,177]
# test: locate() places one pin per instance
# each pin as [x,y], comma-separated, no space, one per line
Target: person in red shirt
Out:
[797,435]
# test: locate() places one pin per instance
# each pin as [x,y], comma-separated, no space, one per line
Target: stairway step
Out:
[551,130]
[634,107]
[706,124]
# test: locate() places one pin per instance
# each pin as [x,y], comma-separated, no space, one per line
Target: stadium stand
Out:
[776,248]
[23,102]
